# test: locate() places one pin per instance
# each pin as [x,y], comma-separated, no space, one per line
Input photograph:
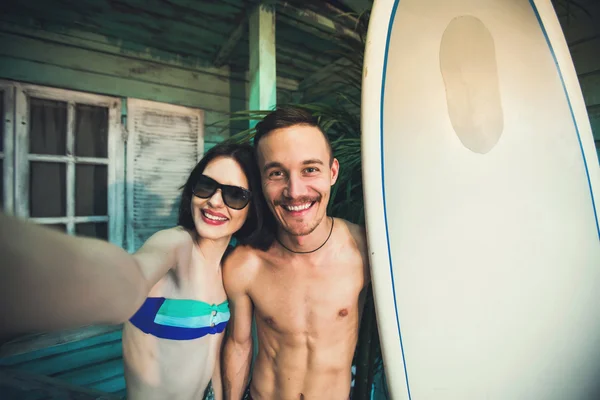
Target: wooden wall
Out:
[92,63]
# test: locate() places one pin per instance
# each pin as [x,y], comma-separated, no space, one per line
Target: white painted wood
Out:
[9,140]
[485,260]
[262,70]
[115,160]
[70,168]
[42,92]
[69,159]
[21,206]
[70,220]
[116,176]
[163,146]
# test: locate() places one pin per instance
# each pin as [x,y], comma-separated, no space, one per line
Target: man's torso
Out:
[307,314]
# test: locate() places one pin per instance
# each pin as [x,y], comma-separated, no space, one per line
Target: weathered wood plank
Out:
[24,351]
[43,341]
[110,45]
[241,28]
[8,100]
[119,58]
[19,385]
[95,53]
[68,361]
[90,374]
[75,58]
[164,144]
[110,385]
[149,31]
[55,76]
[358,6]
[307,18]
[263,69]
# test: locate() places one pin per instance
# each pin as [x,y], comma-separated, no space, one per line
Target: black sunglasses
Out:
[233,196]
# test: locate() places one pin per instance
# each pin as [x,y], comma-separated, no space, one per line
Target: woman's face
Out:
[212,217]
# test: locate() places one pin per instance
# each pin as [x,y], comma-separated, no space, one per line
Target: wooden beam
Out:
[263,72]
[315,23]
[227,48]
[357,6]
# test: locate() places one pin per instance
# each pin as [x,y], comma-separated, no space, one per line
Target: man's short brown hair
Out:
[284,117]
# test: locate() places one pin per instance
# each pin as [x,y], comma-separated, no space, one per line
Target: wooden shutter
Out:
[164,144]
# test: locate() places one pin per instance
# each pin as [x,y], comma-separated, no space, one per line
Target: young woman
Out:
[169,294]
[171,345]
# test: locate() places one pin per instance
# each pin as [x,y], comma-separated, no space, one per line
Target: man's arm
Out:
[51,281]
[237,352]
[360,238]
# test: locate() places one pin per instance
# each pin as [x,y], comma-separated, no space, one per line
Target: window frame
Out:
[115,160]
[7,154]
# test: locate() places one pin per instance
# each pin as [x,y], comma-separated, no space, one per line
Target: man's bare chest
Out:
[295,300]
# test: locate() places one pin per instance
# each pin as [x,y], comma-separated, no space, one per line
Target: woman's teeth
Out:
[213,217]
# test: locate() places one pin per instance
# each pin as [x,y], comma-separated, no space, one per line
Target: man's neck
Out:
[307,243]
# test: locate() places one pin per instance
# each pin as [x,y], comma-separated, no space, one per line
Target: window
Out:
[64,157]
[64,160]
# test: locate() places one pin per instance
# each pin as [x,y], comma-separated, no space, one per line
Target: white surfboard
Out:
[482,189]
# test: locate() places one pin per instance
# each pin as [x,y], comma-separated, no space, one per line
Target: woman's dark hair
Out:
[252,232]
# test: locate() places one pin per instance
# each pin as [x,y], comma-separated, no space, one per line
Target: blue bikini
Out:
[181,319]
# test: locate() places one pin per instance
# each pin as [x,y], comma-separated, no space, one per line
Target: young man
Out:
[307,291]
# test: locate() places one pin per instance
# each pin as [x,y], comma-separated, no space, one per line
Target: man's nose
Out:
[295,187]
[216,200]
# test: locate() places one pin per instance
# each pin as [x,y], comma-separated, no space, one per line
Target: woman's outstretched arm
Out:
[51,281]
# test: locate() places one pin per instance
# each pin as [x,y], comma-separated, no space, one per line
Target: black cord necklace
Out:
[312,251]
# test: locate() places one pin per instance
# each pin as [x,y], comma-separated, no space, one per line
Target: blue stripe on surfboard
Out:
[562,81]
[387,235]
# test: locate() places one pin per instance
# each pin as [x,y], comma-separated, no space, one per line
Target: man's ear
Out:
[335,171]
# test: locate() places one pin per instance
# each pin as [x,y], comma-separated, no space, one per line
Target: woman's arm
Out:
[51,281]
[217,382]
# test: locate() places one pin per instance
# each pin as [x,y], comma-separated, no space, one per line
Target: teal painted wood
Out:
[90,374]
[47,352]
[111,385]
[94,363]
[71,360]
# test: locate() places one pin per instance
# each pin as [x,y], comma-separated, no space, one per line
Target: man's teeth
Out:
[214,217]
[298,208]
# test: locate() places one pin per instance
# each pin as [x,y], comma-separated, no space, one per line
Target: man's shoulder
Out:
[242,256]
[357,232]
[239,267]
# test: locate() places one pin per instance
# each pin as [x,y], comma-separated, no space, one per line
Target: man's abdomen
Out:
[314,369]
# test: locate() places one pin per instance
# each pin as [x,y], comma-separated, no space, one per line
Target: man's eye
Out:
[311,170]
[275,174]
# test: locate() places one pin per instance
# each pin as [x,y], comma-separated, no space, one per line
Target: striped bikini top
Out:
[181,319]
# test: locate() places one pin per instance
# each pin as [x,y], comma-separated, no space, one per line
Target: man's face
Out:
[297,176]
